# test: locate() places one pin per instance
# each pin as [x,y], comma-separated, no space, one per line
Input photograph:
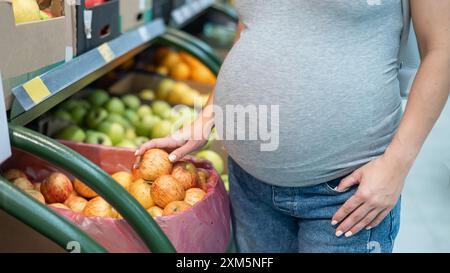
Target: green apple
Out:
[147,94]
[214,158]
[114,130]
[85,104]
[73,133]
[115,106]
[131,101]
[144,110]
[140,140]
[126,143]
[162,109]
[145,125]
[98,97]
[93,137]
[118,119]
[72,104]
[226,182]
[130,133]
[131,116]
[162,129]
[164,88]
[63,115]
[78,114]
[95,117]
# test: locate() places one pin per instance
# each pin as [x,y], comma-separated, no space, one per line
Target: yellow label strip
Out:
[37,90]
[106,52]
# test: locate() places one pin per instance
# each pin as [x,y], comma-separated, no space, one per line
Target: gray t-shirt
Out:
[331,66]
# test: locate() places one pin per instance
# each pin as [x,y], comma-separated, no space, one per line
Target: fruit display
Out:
[161,187]
[179,93]
[119,121]
[180,66]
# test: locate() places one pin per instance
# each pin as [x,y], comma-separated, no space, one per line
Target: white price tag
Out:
[178,16]
[196,6]
[143,32]
[187,13]
[5,145]
[142,5]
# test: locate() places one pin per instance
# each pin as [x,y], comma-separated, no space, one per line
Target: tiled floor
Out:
[425,225]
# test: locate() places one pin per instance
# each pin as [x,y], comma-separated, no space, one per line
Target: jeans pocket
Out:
[283,199]
[331,186]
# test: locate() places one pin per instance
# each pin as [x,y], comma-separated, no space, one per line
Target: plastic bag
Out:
[203,228]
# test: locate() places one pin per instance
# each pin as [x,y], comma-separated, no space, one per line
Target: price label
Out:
[142,5]
[36,90]
[143,32]
[196,6]
[5,145]
[178,16]
[106,52]
[187,13]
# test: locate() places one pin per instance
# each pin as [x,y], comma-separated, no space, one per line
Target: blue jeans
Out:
[269,218]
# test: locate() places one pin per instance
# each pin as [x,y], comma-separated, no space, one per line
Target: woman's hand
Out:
[380,184]
[186,140]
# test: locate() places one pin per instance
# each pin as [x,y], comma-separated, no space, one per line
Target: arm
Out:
[191,137]
[381,181]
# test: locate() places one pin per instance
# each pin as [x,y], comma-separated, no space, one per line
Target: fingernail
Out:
[348,234]
[339,190]
[334,222]
[368,228]
[338,233]
[172,157]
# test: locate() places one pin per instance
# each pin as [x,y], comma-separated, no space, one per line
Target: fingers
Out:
[358,220]
[349,206]
[181,152]
[137,162]
[355,217]
[162,143]
[349,181]
[380,217]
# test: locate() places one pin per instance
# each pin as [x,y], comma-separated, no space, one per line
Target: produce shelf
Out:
[195,41]
[168,39]
[188,12]
[225,9]
[94,177]
[44,220]
[47,90]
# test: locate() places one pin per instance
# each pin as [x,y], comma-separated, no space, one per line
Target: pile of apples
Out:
[178,92]
[120,121]
[180,66]
[29,11]
[161,187]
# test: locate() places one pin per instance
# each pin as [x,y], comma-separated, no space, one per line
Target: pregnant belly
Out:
[329,115]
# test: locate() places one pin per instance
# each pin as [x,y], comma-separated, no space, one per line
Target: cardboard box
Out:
[30,46]
[16,237]
[132,13]
[96,25]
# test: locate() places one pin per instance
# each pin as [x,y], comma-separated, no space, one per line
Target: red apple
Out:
[56,188]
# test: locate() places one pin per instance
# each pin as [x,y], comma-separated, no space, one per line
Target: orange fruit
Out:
[180,71]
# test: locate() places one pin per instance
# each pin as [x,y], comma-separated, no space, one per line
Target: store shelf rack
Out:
[47,90]
[188,12]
